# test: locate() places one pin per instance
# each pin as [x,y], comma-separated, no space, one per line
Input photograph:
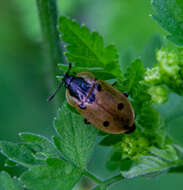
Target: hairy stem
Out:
[53,54]
[107,182]
[94,178]
[113,179]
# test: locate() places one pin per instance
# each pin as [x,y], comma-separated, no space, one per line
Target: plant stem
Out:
[94,178]
[107,182]
[113,179]
[53,54]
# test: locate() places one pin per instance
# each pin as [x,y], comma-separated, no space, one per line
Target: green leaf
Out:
[56,175]
[148,117]
[86,49]
[8,183]
[40,144]
[169,16]
[10,167]
[133,84]
[160,160]
[134,74]
[177,170]
[76,140]
[99,72]
[19,153]
[168,154]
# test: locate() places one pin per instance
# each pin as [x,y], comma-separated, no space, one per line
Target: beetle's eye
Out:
[120,106]
[98,87]
[106,123]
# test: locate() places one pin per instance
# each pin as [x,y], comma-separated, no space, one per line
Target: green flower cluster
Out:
[166,76]
[134,146]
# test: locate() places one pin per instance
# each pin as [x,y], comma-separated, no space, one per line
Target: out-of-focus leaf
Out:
[169,16]
[8,183]
[76,140]
[56,175]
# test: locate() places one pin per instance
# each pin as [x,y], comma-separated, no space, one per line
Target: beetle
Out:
[98,102]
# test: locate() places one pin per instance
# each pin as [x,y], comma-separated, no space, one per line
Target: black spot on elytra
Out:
[106,123]
[120,106]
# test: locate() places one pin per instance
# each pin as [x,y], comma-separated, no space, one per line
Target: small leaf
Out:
[86,49]
[19,153]
[40,144]
[160,161]
[169,16]
[168,154]
[8,183]
[134,74]
[56,175]
[76,140]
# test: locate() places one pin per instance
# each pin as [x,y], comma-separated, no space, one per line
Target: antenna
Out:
[60,85]
[51,97]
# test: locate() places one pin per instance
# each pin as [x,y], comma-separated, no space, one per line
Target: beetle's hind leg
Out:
[131,129]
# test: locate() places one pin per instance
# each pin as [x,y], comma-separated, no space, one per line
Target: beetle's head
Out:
[65,81]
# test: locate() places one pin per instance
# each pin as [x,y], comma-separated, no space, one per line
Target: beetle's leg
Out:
[98,87]
[126,94]
[131,129]
[86,121]
[82,106]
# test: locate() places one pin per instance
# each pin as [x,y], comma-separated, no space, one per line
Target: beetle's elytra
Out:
[99,103]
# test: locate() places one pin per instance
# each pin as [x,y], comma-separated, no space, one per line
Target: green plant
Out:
[59,163]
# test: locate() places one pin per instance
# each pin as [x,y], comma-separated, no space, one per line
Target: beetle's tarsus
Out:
[126,94]
[86,121]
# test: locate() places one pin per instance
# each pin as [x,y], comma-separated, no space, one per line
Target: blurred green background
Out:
[24,84]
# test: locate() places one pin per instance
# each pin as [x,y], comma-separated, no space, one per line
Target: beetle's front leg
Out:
[82,106]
